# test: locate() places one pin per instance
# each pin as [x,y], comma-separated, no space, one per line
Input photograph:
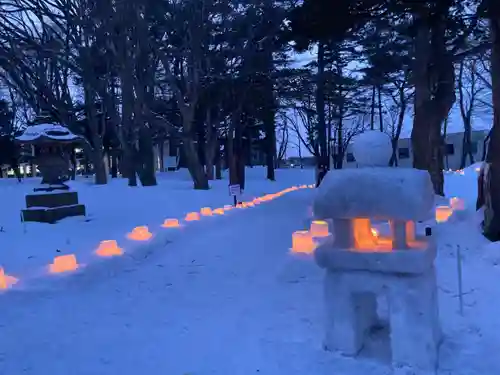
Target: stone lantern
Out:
[362,264]
[52,201]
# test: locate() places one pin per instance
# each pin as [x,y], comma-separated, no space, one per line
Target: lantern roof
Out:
[377,193]
[47,133]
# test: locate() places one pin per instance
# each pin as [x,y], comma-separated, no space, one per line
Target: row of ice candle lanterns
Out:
[110,248]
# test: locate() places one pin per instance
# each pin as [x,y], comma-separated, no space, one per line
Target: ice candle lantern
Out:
[362,264]
[109,248]
[64,263]
[140,234]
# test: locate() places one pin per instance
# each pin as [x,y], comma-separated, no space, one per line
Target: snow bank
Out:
[404,194]
[372,149]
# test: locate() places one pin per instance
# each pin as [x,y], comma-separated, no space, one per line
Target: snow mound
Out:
[392,193]
[372,149]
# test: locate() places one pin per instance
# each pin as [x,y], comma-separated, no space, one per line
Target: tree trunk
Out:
[491,224]
[195,168]
[399,127]
[114,164]
[372,113]
[218,163]
[146,158]
[320,108]
[211,145]
[270,145]
[434,97]
[380,111]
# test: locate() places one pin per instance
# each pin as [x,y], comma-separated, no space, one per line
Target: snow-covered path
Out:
[219,299]
[224,297]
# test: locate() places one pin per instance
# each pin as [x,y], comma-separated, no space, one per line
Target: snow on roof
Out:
[48,132]
[383,193]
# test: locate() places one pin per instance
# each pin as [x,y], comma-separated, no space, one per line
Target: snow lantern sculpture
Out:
[362,264]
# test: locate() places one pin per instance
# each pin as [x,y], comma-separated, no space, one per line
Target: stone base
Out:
[51,215]
[57,199]
[413,315]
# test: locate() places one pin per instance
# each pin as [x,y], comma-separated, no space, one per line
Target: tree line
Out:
[220,75]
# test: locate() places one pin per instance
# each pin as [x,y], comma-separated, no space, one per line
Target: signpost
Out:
[235,192]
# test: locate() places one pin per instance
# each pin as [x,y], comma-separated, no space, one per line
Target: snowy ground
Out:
[222,296]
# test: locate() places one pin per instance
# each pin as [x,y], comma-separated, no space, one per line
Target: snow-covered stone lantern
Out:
[362,264]
[51,142]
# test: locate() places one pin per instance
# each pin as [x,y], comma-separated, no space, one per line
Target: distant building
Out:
[453,150]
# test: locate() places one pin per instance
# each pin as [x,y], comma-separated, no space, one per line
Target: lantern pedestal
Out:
[413,315]
[362,264]
[52,207]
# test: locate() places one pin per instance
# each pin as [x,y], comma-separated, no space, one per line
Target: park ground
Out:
[220,296]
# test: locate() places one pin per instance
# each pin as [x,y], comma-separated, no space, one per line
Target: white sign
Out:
[234,190]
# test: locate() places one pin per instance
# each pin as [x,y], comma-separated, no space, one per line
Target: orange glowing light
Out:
[457,204]
[171,223]
[319,228]
[6,281]
[250,204]
[219,211]
[140,234]
[443,213]
[303,242]
[368,238]
[192,216]
[63,263]
[206,211]
[108,248]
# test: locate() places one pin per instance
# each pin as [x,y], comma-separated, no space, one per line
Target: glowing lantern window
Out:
[319,228]
[443,213]
[6,281]
[171,223]
[219,211]
[109,248]
[140,234]
[192,216]
[364,237]
[303,242]
[206,211]
[63,263]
